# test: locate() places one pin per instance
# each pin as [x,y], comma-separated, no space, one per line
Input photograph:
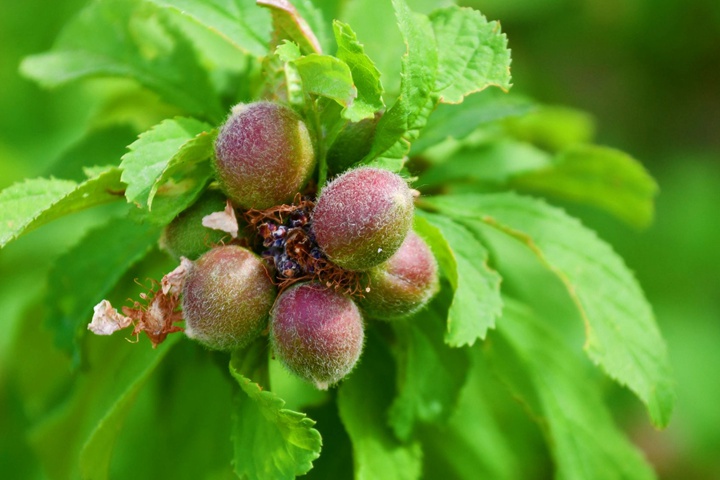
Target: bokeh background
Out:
[646,71]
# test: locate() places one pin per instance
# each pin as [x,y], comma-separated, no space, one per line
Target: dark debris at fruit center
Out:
[287,244]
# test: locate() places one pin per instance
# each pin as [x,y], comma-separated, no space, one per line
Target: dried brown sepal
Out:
[275,214]
[157,315]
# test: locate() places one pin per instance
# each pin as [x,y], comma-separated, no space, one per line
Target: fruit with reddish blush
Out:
[362,217]
[317,333]
[263,155]
[227,296]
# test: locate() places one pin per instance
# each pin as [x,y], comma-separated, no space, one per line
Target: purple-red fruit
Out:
[227,296]
[317,333]
[362,217]
[404,284]
[263,155]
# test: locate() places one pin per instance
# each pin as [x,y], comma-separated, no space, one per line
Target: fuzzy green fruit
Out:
[263,155]
[317,333]
[186,236]
[362,217]
[227,296]
[404,284]
[352,144]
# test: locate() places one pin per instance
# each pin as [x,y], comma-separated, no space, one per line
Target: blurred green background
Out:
[647,71]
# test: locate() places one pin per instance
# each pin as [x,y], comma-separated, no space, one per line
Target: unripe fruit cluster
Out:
[358,228]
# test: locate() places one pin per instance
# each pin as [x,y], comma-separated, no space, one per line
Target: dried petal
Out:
[106,319]
[225,221]
[172,283]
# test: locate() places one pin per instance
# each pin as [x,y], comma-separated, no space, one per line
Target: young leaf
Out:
[289,25]
[32,203]
[124,38]
[240,23]
[363,400]
[549,378]
[472,54]
[85,274]
[365,75]
[97,451]
[270,441]
[622,335]
[402,123]
[326,76]
[476,302]
[431,374]
[156,152]
[600,176]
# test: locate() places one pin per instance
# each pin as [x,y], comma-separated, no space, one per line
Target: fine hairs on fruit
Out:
[404,284]
[362,217]
[185,236]
[317,333]
[264,155]
[227,296]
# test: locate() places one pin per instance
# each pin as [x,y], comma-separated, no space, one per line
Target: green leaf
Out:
[239,22]
[127,38]
[76,439]
[270,441]
[86,273]
[544,373]
[476,302]
[553,128]
[599,176]
[363,400]
[328,77]
[622,335]
[402,123]
[431,374]
[494,163]
[288,24]
[365,75]
[460,120]
[97,451]
[160,150]
[32,203]
[472,53]
[488,443]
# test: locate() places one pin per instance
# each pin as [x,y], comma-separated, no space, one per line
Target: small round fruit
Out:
[186,236]
[404,284]
[227,298]
[362,217]
[263,155]
[317,333]
[352,144]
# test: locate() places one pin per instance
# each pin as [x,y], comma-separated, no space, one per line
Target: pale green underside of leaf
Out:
[476,302]
[270,441]
[494,163]
[431,374]
[288,24]
[103,255]
[32,203]
[599,176]
[97,451]
[457,121]
[239,22]
[128,39]
[87,422]
[158,152]
[326,76]
[363,400]
[553,384]
[472,54]
[365,75]
[402,123]
[621,333]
